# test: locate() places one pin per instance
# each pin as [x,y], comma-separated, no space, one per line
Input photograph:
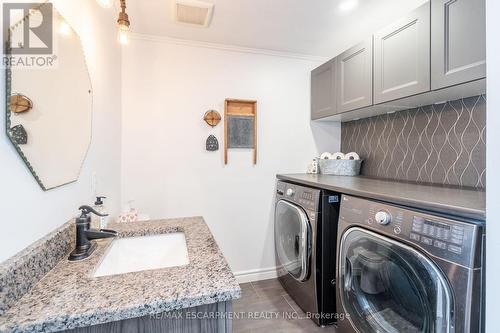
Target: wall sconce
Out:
[123,24]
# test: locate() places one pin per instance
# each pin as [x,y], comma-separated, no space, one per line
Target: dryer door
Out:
[292,239]
[387,286]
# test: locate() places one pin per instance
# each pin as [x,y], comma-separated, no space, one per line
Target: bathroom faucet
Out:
[84,247]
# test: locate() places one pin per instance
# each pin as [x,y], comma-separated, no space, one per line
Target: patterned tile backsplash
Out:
[441,144]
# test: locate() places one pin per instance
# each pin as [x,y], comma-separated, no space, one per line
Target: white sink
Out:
[135,254]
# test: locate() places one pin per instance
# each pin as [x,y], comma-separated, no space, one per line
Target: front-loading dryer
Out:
[305,241]
[402,270]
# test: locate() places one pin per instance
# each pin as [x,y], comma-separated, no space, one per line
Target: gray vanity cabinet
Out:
[323,90]
[402,57]
[458,42]
[354,77]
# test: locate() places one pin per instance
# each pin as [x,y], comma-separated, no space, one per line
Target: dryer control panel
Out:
[307,198]
[446,238]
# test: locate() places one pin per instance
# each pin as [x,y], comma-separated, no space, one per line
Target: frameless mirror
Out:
[49,109]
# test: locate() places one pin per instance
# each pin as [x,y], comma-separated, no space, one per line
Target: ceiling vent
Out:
[193,12]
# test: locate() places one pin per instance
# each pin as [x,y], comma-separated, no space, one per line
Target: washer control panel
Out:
[440,236]
[438,233]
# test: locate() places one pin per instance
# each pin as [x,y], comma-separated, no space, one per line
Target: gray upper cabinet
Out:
[435,53]
[323,90]
[402,57]
[354,77]
[458,42]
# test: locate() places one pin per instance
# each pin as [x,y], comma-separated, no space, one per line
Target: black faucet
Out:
[84,247]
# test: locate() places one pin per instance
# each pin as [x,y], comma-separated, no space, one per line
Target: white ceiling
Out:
[310,27]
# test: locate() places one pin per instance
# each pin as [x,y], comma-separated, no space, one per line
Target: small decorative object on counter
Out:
[212,143]
[19,135]
[130,214]
[20,103]
[212,118]
[312,167]
[340,164]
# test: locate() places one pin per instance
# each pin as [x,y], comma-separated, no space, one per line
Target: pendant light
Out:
[123,24]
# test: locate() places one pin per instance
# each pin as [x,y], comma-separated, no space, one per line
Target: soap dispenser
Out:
[99,222]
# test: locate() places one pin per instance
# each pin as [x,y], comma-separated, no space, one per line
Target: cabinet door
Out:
[402,57]
[458,42]
[323,90]
[354,77]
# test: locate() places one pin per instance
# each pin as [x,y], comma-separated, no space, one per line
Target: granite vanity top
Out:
[462,202]
[68,297]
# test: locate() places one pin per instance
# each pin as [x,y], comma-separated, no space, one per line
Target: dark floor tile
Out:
[270,283]
[266,307]
[262,304]
[247,290]
[269,288]
[275,325]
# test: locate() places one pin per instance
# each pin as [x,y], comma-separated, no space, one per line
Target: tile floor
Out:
[276,310]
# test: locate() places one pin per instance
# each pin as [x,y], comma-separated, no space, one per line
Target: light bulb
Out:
[123,36]
[105,3]
[64,28]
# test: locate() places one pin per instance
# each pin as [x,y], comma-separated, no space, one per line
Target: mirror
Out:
[49,110]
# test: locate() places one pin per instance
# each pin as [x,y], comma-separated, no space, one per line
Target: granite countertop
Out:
[461,202]
[68,297]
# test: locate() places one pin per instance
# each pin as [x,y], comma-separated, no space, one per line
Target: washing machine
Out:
[402,270]
[305,241]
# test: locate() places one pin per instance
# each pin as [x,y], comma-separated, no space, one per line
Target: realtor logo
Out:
[27,28]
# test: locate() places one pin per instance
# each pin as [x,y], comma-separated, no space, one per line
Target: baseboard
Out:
[256,275]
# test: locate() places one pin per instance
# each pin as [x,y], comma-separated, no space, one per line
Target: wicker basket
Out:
[340,167]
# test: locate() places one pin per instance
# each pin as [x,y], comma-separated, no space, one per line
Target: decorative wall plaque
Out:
[19,135]
[212,118]
[240,126]
[212,143]
[20,103]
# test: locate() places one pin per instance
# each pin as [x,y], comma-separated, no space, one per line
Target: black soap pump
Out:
[84,247]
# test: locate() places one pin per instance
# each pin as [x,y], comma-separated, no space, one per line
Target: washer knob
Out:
[290,192]
[383,218]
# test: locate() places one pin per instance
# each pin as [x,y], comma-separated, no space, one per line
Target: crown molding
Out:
[225,47]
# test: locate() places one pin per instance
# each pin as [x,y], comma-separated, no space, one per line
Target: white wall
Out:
[27,212]
[166,90]
[492,163]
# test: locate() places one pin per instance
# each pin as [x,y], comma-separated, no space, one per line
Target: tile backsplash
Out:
[441,144]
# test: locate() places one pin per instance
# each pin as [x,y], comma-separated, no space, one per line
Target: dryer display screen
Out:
[307,195]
